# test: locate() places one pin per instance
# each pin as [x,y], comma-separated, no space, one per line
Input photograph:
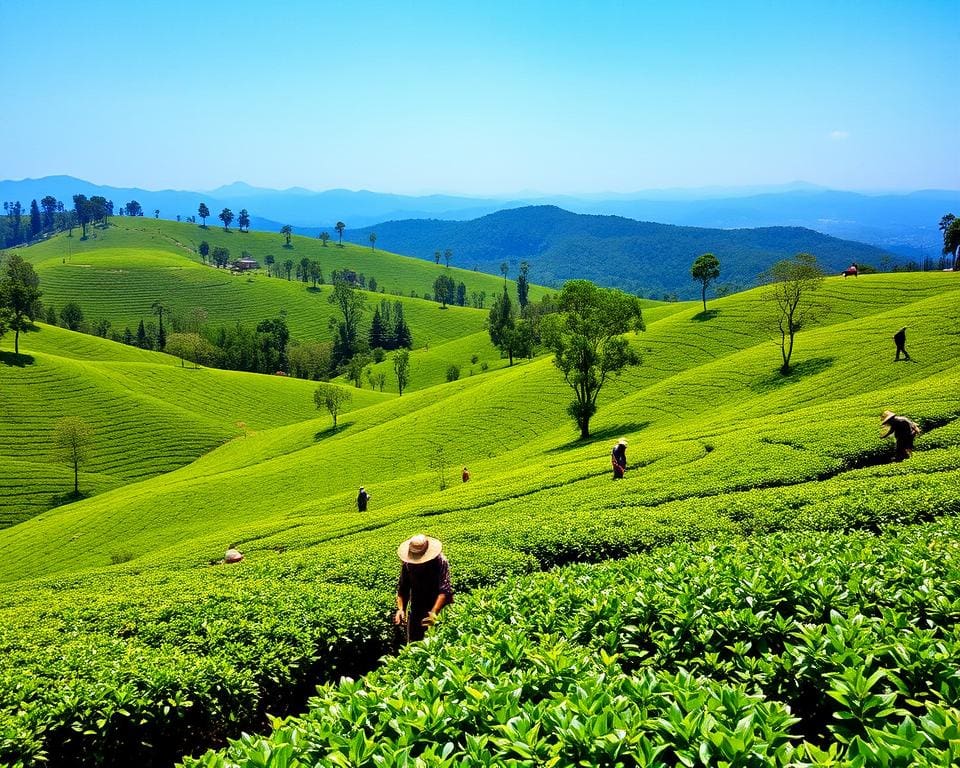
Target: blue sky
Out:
[483,97]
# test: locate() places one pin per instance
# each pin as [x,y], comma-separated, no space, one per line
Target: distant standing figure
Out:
[362,498]
[900,339]
[466,475]
[619,458]
[851,271]
[903,430]
[424,585]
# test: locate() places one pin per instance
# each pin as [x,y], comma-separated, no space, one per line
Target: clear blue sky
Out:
[482,97]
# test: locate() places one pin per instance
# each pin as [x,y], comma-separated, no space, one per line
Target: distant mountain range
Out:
[638,256]
[905,224]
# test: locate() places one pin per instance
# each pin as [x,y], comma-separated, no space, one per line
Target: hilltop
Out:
[637,256]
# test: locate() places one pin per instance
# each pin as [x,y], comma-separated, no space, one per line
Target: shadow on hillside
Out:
[18,361]
[702,317]
[59,499]
[798,372]
[602,435]
[323,434]
[314,289]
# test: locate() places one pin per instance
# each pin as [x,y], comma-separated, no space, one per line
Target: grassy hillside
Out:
[721,445]
[149,414]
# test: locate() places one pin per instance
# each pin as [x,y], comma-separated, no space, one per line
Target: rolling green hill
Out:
[721,446]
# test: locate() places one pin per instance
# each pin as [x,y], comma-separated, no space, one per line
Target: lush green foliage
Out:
[794,650]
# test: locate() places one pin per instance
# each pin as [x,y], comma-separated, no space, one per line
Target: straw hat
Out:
[887,415]
[419,549]
[622,441]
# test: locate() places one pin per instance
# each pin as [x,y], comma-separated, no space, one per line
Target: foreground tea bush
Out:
[800,649]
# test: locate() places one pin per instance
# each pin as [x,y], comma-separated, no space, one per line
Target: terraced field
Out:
[721,447]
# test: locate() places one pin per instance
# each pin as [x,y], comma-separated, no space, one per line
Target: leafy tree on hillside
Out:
[950,226]
[4,321]
[133,208]
[333,398]
[523,286]
[36,223]
[100,208]
[72,444]
[49,206]
[273,337]
[340,226]
[203,212]
[355,368]
[436,256]
[303,269]
[288,267]
[586,336]
[81,209]
[461,294]
[705,270]
[378,334]
[504,269]
[19,295]
[269,260]
[316,274]
[512,338]
[444,290]
[243,220]
[203,249]
[324,237]
[792,283]
[143,340]
[373,241]
[447,255]
[287,231]
[71,316]
[220,256]
[157,308]
[102,328]
[226,216]
[401,367]
[156,213]
[351,303]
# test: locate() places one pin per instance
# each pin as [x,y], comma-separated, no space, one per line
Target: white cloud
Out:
[839,135]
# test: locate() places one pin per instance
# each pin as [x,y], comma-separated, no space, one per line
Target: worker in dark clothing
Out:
[424,585]
[903,430]
[465,475]
[619,458]
[900,339]
[362,498]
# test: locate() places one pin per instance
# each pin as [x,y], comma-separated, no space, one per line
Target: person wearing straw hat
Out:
[619,458]
[900,339]
[424,585]
[903,431]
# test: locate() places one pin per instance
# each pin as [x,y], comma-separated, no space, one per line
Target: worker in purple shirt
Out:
[424,585]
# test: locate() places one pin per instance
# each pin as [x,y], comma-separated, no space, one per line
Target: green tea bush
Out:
[795,650]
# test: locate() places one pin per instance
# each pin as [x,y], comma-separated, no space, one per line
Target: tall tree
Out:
[203,212]
[142,340]
[504,268]
[304,269]
[288,267]
[401,367]
[203,249]
[461,294]
[134,208]
[243,220]
[156,213]
[792,283]
[950,226]
[447,255]
[36,224]
[523,287]
[444,289]
[373,241]
[19,294]
[72,443]
[220,256]
[269,260]
[501,324]
[49,206]
[586,337]
[332,397]
[287,231]
[402,338]
[436,256]
[705,269]
[226,216]
[378,335]
[340,226]
[157,308]
[324,238]
[99,208]
[81,209]
[350,302]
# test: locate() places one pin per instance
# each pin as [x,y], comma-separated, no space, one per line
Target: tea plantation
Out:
[789,597]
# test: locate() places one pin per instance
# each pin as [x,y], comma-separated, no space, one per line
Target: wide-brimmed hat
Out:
[622,441]
[419,549]
[887,415]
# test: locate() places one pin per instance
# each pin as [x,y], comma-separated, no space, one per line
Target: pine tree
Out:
[377,331]
[36,226]
[142,336]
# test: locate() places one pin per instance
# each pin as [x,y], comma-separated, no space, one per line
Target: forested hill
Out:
[634,255]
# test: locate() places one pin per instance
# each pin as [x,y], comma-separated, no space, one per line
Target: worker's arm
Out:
[403,590]
[444,596]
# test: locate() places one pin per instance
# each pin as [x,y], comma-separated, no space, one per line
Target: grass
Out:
[720,446]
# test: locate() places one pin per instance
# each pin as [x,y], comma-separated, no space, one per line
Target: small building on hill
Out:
[242,265]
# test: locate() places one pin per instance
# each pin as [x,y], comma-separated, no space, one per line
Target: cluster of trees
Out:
[19,226]
[950,229]
[388,329]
